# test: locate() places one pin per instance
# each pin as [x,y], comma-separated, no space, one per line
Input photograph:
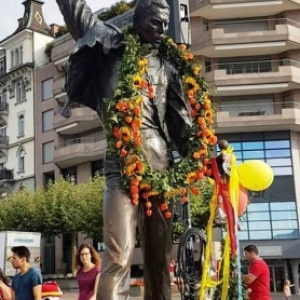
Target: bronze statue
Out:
[92,75]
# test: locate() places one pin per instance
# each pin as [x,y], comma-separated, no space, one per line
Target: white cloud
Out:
[12,10]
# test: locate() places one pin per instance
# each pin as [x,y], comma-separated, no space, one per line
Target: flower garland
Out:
[125,118]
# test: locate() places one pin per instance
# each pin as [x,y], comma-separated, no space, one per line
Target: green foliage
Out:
[62,208]
[115,10]
[61,31]
[48,49]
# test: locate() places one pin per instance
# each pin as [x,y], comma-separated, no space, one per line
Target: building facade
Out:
[20,54]
[252,64]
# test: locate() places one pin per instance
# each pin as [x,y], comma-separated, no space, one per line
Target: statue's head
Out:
[150,21]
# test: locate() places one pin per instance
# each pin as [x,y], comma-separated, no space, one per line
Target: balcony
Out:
[253,77]
[58,88]
[260,116]
[62,48]
[224,9]
[81,120]
[75,151]
[246,38]
[6,175]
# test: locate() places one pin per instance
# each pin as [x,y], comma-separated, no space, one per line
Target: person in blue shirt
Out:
[27,284]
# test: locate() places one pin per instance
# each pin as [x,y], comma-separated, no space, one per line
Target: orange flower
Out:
[191,93]
[213,140]
[135,182]
[134,189]
[164,206]
[138,142]
[123,153]
[121,106]
[196,155]
[195,191]
[197,106]
[136,111]
[168,215]
[188,55]
[128,119]
[140,168]
[116,132]
[192,100]
[193,113]
[184,199]
[136,123]
[118,144]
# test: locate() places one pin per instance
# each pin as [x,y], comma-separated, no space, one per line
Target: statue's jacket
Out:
[92,71]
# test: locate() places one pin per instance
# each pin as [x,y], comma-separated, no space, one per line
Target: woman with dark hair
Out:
[5,290]
[87,270]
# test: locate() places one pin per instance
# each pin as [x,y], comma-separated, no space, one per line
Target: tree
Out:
[115,10]
[61,31]
[62,208]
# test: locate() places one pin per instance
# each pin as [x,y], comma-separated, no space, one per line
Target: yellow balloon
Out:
[255,175]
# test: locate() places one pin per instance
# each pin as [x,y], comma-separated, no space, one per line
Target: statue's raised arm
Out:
[88,66]
[78,16]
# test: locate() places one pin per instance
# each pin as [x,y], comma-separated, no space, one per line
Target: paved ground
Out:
[73,296]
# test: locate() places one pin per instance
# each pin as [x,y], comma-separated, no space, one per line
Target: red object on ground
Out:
[51,289]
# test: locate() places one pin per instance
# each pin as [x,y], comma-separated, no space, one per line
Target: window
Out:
[272,149]
[47,89]
[12,59]
[2,67]
[22,161]
[48,152]
[97,167]
[276,220]
[3,130]
[21,125]
[4,96]
[47,120]
[23,92]
[48,177]
[21,54]
[70,174]
[17,56]
[19,91]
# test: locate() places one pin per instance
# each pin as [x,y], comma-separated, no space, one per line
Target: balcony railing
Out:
[253,66]
[82,140]
[250,108]
[6,174]
[247,25]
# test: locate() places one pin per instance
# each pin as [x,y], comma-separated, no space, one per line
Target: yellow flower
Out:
[191,177]
[139,82]
[196,69]
[190,80]
[125,133]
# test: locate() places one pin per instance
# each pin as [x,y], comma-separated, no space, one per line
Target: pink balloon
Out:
[243,201]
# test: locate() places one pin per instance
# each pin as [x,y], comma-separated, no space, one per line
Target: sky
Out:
[12,10]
